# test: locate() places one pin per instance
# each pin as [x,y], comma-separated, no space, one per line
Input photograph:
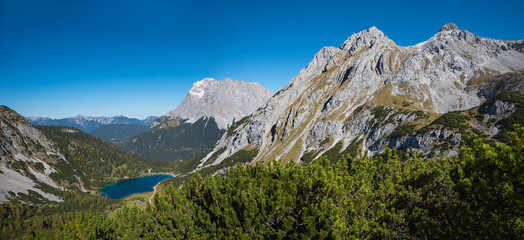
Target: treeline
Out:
[18,219]
[98,160]
[475,195]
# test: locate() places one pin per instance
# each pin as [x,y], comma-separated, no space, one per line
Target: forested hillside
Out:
[118,134]
[88,163]
[477,194]
[183,141]
[99,161]
[18,219]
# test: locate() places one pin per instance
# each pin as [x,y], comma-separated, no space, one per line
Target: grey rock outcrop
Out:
[496,111]
[25,159]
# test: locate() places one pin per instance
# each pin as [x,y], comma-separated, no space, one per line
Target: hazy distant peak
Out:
[87,123]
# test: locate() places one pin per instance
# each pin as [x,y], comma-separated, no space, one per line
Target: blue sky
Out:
[60,58]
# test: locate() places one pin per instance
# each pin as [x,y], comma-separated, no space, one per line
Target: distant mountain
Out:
[149,120]
[87,124]
[190,130]
[224,101]
[176,139]
[117,134]
[370,93]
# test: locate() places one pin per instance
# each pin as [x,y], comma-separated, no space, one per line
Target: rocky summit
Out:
[370,93]
[225,101]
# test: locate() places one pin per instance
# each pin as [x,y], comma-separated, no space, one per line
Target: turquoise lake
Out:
[123,188]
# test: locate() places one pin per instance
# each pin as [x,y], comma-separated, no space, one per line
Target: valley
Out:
[371,140]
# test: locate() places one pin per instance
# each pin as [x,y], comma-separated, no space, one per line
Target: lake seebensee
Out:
[123,188]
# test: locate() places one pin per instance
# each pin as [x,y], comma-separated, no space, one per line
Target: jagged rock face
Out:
[25,157]
[498,108]
[496,111]
[454,70]
[225,101]
[87,124]
[440,70]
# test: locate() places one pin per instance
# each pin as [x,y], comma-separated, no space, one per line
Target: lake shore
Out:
[128,187]
[154,192]
[154,188]
[166,173]
[149,173]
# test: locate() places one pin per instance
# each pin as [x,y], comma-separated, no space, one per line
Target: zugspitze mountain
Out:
[225,101]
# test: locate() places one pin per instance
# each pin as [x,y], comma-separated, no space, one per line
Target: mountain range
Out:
[370,93]
[424,139]
[88,124]
[364,96]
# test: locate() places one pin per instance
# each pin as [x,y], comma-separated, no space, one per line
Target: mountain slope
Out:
[98,161]
[117,134]
[343,94]
[224,101]
[193,128]
[87,124]
[27,160]
[37,163]
[176,139]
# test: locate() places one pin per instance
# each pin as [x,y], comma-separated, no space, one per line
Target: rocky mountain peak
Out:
[369,37]
[448,27]
[199,87]
[375,32]
[323,105]
[225,100]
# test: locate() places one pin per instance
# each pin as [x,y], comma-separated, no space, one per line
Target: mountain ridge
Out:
[88,123]
[453,70]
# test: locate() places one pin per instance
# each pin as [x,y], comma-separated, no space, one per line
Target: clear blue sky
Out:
[60,58]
